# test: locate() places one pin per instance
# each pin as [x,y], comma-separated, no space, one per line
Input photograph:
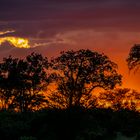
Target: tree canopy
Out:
[119,98]
[78,73]
[133,59]
[22,82]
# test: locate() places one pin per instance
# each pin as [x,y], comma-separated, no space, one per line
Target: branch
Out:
[93,87]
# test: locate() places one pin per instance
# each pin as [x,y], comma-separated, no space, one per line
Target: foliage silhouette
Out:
[78,73]
[119,99]
[61,124]
[133,59]
[22,81]
[75,75]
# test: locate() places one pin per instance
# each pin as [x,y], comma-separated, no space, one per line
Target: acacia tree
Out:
[133,59]
[22,82]
[78,73]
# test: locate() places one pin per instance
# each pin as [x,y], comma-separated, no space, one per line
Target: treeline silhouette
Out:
[74,96]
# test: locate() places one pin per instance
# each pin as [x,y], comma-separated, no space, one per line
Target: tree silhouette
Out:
[6,81]
[22,82]
[133,59]
[78,73]
[120,99]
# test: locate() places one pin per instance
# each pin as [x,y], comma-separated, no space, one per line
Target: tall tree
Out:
[7,81]
[23,80]
[133,59]
[78,73]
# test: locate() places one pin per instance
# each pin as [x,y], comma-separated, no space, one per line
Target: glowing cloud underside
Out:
[16,41]
[6,32]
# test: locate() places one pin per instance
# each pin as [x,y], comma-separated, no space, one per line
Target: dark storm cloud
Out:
[45,18]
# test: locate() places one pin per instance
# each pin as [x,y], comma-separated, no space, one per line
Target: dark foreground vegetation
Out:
[74,124]
[56,99]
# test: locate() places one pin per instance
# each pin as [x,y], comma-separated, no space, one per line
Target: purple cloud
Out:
[45,18]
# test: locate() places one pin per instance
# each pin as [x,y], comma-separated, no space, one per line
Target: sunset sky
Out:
[50,26]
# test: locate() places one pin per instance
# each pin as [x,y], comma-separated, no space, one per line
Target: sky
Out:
[111,27]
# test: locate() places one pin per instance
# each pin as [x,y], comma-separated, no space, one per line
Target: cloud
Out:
[45,18]
[109,26]
[16,41]
[2,33]
[6,47]
[46,23]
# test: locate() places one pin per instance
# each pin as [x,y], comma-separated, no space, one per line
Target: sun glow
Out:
[16,41]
